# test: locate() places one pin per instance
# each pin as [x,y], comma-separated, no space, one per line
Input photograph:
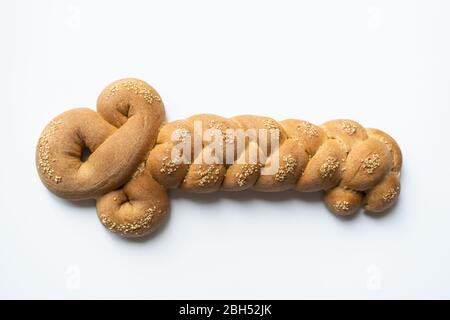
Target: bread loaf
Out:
[132,164]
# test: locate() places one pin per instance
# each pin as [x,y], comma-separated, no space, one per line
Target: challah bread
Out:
[132,159]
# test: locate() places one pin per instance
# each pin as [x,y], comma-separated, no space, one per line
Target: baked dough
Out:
[130,166]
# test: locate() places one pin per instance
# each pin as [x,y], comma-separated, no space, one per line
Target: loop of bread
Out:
[128,174]
[118,136]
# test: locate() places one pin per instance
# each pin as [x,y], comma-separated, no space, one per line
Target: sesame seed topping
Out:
[272,126]
[142,224]
[371,163]
[44,161]
[391,194]
[247,170]
[342,206]
[229,137]
[214,124]
[181,133]
[349,128]
[139,88]
[309,129]
[226,131]
[290,163]
[208,176]
[328,168]
[168,166]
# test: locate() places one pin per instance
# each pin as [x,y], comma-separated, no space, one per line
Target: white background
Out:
[382,63]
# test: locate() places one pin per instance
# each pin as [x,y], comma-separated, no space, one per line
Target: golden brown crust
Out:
[308,134]
[340,157]
[128,174]
[343,201]
[367,163]
[292,161]
[384,195]
[348,132]
[119,136]
[392,146]
[136,209]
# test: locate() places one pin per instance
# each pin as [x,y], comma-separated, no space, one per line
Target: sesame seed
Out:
[309,129]
[168,166]
[342,206]
[142,224]
[271,125]
[391,194]
[44,161]
[227,135]
[181,133]
[247,170]
[208,176]
[349,128]
[371,163]
[329,167]
[137,87]
[290,163]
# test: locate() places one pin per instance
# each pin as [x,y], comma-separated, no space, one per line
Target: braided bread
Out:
[132,163]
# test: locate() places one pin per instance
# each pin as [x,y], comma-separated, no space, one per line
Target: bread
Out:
[132,164]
